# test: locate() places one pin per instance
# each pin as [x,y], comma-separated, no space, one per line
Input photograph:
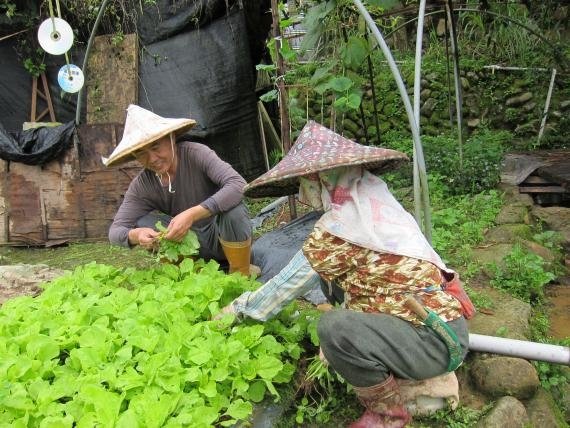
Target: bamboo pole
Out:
[283,98]
[374,98]
[268,125]
[457,77]
[263,141]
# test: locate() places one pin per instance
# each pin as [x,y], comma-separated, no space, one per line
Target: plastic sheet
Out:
[36,146]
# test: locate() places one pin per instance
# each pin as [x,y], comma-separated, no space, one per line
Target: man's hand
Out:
[180,224]
[144,236]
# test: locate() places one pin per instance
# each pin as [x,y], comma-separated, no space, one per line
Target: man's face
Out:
[158,157]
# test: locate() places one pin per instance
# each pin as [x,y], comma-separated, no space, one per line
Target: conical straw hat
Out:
[142,128]
[319,149]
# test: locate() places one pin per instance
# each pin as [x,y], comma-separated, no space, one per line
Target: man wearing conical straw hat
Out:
[189,187]
[371,256]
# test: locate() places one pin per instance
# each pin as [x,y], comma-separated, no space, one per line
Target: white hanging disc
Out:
[55,36]
[70,78]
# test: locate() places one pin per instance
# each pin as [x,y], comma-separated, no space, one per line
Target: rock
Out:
[432,77]
[509,317]
[519,100]
[529,106]
[491,254]
[511,214]
[440,31]
[351,126]
[425,93]
[506,233]
[473,123]
[508,412]
[465,83]
[24,280]
[472,76]
[428,107]
[542,410]
[556,219]
[527,129]
[546,254]
[512,195]
[565,104]
[500,376]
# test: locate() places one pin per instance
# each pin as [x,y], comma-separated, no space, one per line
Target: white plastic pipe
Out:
[520,348]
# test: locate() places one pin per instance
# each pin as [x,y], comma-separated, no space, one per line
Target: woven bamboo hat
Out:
[319,149]
[142,128]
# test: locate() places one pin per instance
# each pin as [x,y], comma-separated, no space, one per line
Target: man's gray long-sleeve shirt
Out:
[202,178]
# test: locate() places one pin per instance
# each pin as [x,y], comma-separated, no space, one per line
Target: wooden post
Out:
[43,94]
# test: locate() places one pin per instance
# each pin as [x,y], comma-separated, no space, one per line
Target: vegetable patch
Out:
[137,348]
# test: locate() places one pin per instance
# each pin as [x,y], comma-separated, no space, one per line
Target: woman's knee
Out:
[235,224]
[331,327]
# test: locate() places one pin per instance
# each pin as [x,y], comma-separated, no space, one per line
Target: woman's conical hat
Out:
[142,128]
[319,149]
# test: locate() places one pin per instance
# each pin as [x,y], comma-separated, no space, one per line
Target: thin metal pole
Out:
[409,111]
[546,105]
[86,57]
[417,91]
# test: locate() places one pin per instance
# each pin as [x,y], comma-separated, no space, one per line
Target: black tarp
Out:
[197,60]
[207,75]
[36,146]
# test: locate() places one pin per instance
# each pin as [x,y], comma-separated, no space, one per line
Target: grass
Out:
[69,256]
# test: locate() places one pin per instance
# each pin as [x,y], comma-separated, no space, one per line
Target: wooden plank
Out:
[542,189]
[24,208]
[103,192]
[534,179]
[112,81]
[68,199]
[3,209]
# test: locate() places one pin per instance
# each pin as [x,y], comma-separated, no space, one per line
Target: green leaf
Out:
[107,404]
[287,53]
[57,422]
[354,52]
[354,100]
[320,74]
[128,419]
[269,96]
[341,84]
[256,391]
[267,367]
[239,409]
[209,388]
[42,347]
[314,23]
[266,67]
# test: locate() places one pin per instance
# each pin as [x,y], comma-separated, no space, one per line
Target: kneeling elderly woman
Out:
[366,244]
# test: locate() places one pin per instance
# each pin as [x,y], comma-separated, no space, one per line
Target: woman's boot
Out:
[238,255]
[384,406]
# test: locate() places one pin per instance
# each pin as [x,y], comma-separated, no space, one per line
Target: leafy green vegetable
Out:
[174,251]
[108,347]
